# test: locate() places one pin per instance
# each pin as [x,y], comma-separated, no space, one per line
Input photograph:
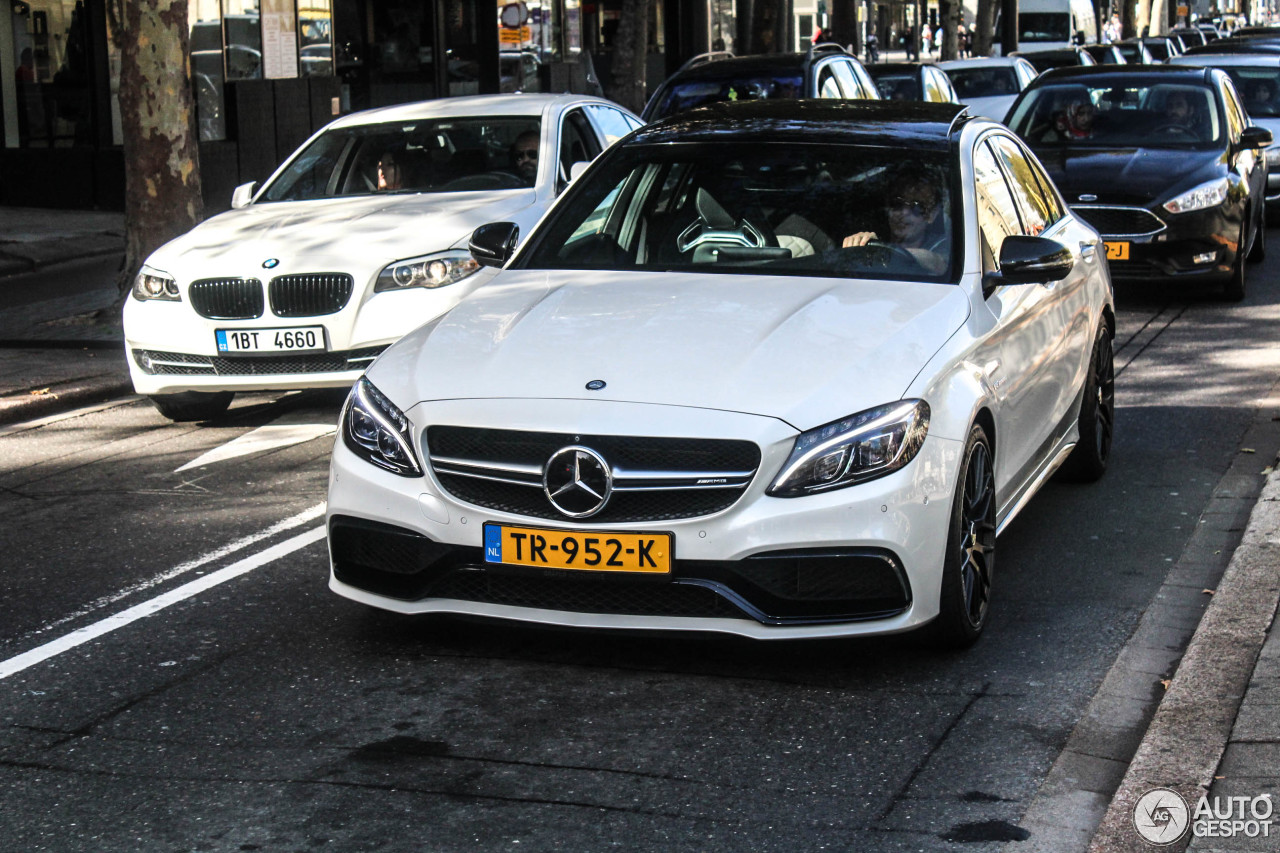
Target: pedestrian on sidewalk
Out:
[927,37]
[873,47]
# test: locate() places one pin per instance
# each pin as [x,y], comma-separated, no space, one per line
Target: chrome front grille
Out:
[310,295]
[226,298]
[160,363]
[653,479]
[1115,221]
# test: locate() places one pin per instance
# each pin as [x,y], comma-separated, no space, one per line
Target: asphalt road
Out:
[175,674]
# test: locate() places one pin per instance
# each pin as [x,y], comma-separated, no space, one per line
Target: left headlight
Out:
[153,284]
[439,270]
[376,430]
[1208,194]
[858,448]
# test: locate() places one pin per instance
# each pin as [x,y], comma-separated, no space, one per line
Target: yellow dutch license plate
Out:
[1117,251]
[593,551]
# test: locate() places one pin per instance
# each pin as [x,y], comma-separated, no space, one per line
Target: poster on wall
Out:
[279,39]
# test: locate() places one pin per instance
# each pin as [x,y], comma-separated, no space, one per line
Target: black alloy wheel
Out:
[971,544]
[1088,461]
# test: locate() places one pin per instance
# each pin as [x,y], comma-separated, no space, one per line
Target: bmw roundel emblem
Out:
[270,263]
[595,384]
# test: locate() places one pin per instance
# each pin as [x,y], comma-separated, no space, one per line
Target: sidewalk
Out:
[1216,729]
[52,358]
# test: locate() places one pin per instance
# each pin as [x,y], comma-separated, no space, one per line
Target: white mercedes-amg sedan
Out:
[775,369]
[358,237]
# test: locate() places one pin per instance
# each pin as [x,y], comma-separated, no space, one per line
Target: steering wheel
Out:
[495,180]
[1176,129]
[889,251]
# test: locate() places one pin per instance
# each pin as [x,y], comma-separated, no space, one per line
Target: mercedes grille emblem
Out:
[270,263]
[577,481]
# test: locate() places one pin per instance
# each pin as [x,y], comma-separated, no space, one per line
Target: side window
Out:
[944,83]
[611,123]
[865,83]
[1036,214]
[931,90]
[1236,121]
[997,214]
[847,82]
[577,142]
[828,87]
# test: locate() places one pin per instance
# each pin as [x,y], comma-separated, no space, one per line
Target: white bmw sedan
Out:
[776,369]
[358,237]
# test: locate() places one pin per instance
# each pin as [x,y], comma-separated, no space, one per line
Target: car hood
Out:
[805,350]
[1128,175]
[335,233]
[993,107]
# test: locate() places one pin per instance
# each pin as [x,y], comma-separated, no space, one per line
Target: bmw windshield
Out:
[758,208]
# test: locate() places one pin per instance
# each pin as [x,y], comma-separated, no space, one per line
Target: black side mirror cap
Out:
[1255,137]
[1030,260]
[493,245]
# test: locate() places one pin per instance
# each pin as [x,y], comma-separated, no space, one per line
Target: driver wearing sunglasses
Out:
[911,208]
[524,156]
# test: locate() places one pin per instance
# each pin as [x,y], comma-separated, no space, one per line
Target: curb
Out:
[1188,736]
[61,398]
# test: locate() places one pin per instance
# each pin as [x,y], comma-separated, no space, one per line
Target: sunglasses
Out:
[919,208]
[527,154]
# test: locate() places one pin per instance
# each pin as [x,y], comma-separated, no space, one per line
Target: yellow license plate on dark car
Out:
[591,551]
[1117,251]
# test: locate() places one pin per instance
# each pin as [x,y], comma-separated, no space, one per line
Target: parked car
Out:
[1106,54]
[824,71]
[776,369]
[307,279]
[1162,160]
[1066,57]
[989,85]
[1257,81]
[1135,52]
[1160,47]
[913,81]
[1188,37]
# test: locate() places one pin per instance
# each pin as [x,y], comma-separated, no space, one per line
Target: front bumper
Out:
[862,560]
[1197,246]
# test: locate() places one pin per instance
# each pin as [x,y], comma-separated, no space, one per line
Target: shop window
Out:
[51,40]
[315,37]
[207,74]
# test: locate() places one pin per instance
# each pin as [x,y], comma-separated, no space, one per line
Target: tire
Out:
[1258,251]
[1088,462]
[1233,290]
[193,405]
[967,567]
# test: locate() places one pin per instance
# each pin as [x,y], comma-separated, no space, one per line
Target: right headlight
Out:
[153,284]
[858,448]
[430,271]
[1208,194]
[376,430]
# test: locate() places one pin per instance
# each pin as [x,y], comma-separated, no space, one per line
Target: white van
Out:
[1050,24]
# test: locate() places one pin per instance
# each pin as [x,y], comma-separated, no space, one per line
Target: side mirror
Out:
[577,169]
[1255,137]
[1030,260]
[493,245]
[242,195]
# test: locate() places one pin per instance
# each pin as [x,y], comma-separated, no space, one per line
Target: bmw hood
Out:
[805,350]
[1127,175]
[335,233]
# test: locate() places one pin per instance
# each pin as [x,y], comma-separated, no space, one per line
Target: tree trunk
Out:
[630,52]
[949,12]
[984,25]
[162,196]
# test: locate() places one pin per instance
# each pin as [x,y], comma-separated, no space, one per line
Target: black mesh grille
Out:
[226,298]
[310,295]
[1119,221]
[585,595]
[634,452]
[184,364]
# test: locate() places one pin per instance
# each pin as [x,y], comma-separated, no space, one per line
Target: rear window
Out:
[984,82]
[688,94]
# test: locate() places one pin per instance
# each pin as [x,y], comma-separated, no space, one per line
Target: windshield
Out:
[761,208]
[687,94]
[423,156]
[984,82]
[1119,114]
[1258,88]
[898,87]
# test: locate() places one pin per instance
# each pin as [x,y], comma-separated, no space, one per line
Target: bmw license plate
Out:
[1117,251]
[294,339]
[594,551]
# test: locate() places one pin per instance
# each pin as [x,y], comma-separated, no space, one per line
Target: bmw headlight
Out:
[861,447]
[430,271]
[1208,194]
[153,284]
[377,431]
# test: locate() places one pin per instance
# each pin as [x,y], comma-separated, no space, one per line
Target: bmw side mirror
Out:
[1255,137]
[493,245]
[242,195]
[1030,260]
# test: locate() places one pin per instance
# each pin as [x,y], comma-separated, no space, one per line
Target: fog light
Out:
[1204,258]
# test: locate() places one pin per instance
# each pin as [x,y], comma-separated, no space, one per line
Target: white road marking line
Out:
[83,635]
[262,439]
[298,520]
